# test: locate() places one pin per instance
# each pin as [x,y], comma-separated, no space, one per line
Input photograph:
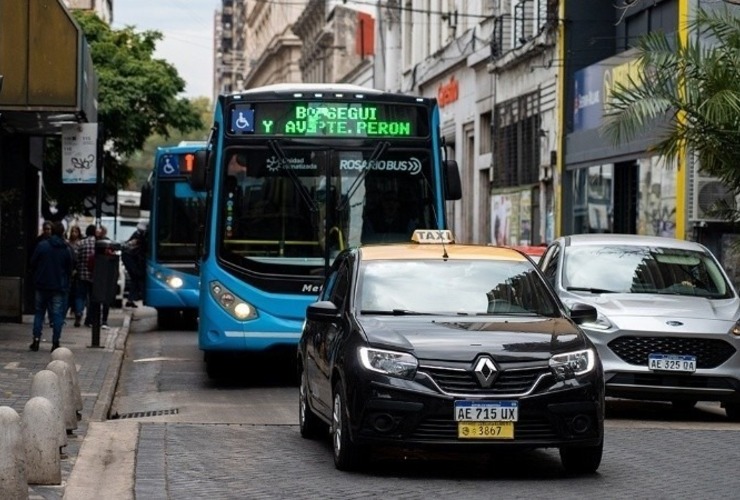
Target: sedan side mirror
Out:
[324,310]
[582,313]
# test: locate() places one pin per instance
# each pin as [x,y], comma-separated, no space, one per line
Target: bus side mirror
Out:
[453,186]
[199,175]
[146,197]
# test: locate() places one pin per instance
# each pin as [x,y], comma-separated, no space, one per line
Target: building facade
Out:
[521,85]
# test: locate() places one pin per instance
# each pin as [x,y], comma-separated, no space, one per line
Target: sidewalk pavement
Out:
[98,369]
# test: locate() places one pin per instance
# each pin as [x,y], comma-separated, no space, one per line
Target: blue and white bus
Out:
[294,174]
[176,214]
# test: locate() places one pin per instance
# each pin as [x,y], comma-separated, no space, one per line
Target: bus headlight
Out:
[175,282]
[231,303]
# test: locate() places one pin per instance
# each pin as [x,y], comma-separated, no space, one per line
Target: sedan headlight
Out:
[735,330]
[571,364]
[395,364]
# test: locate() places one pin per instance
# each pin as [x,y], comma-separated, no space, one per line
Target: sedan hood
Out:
[457,339]
[616,305]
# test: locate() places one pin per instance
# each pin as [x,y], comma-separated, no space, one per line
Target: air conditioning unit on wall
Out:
[706,193]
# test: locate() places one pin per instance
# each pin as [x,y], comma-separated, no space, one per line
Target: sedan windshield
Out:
[464,287]
[635,269]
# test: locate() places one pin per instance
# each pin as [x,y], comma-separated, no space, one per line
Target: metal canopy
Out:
[49,79]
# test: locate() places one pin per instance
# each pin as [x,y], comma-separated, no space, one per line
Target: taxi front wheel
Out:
[311,426]
[348,456]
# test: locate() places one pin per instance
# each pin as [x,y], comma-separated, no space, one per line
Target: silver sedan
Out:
[667,326]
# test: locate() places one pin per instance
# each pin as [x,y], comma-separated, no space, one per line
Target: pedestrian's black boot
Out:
[77,320]
[54,345]
[35,344]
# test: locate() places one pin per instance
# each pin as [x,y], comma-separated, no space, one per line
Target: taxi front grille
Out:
[709,353]
[511,381]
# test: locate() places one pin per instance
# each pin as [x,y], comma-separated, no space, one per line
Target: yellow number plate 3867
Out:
[485,430]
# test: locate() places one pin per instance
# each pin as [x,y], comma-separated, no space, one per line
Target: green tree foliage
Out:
[138,96]
[142,161]
[690,93]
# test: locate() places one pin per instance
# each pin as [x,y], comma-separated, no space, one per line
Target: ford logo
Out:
[674,323]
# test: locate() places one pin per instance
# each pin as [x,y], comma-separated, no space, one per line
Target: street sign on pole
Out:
[79,153]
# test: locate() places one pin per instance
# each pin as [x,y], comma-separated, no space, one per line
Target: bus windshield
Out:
[179,212]
[289,210]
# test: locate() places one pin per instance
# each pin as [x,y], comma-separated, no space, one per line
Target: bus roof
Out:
[312,87]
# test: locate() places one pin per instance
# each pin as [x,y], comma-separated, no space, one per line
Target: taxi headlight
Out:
[395,364]
[572,364]
[232,303]
[175,282]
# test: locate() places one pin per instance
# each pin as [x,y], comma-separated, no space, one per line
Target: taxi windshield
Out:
[461,287]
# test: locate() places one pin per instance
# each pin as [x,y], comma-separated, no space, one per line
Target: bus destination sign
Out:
[329,119]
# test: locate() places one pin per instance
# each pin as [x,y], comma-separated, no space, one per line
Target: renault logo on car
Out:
[485,371]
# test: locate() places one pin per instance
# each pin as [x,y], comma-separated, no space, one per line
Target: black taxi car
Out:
[435,344]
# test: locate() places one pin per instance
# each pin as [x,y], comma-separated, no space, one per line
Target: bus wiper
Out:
[586,289]
[380,149]
[302,191]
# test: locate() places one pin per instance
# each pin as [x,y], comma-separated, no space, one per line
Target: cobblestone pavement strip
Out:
[18,366]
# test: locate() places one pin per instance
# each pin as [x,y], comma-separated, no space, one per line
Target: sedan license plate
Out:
[672,362]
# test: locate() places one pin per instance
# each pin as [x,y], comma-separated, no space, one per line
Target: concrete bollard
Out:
[65,354]
[65,379]
[40,435]
[46,384]
[13,484]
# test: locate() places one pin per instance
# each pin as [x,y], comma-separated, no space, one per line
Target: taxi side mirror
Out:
[582,313]
[324,310]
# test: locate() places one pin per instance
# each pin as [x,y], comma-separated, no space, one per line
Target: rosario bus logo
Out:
[412,165]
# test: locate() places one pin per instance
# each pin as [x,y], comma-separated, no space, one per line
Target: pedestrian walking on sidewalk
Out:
[85,255]
[74,238]
[52,263]
[134,260]
[100,235]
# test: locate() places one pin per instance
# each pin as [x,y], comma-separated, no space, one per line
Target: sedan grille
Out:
[508,381]
[709,353]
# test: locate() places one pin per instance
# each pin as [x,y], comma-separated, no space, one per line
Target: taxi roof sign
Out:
[432,236]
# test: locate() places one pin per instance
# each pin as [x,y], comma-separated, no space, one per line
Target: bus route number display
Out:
[328,119]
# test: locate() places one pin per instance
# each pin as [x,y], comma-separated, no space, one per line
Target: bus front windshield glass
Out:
[290,210]
[179,213]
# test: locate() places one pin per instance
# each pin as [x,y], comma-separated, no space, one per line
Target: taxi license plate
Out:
[672,362]
[486,419]
[485,430]
[486,411]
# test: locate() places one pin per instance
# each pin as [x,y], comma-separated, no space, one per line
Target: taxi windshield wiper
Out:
[586,289]
[395,312]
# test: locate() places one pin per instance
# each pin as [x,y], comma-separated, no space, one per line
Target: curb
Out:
[108,390]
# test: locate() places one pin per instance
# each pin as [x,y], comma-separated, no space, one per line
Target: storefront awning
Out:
[48,75]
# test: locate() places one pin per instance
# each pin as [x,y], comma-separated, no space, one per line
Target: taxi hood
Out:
[458,339]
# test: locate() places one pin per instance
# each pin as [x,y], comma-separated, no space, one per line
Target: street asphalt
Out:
[98,363]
